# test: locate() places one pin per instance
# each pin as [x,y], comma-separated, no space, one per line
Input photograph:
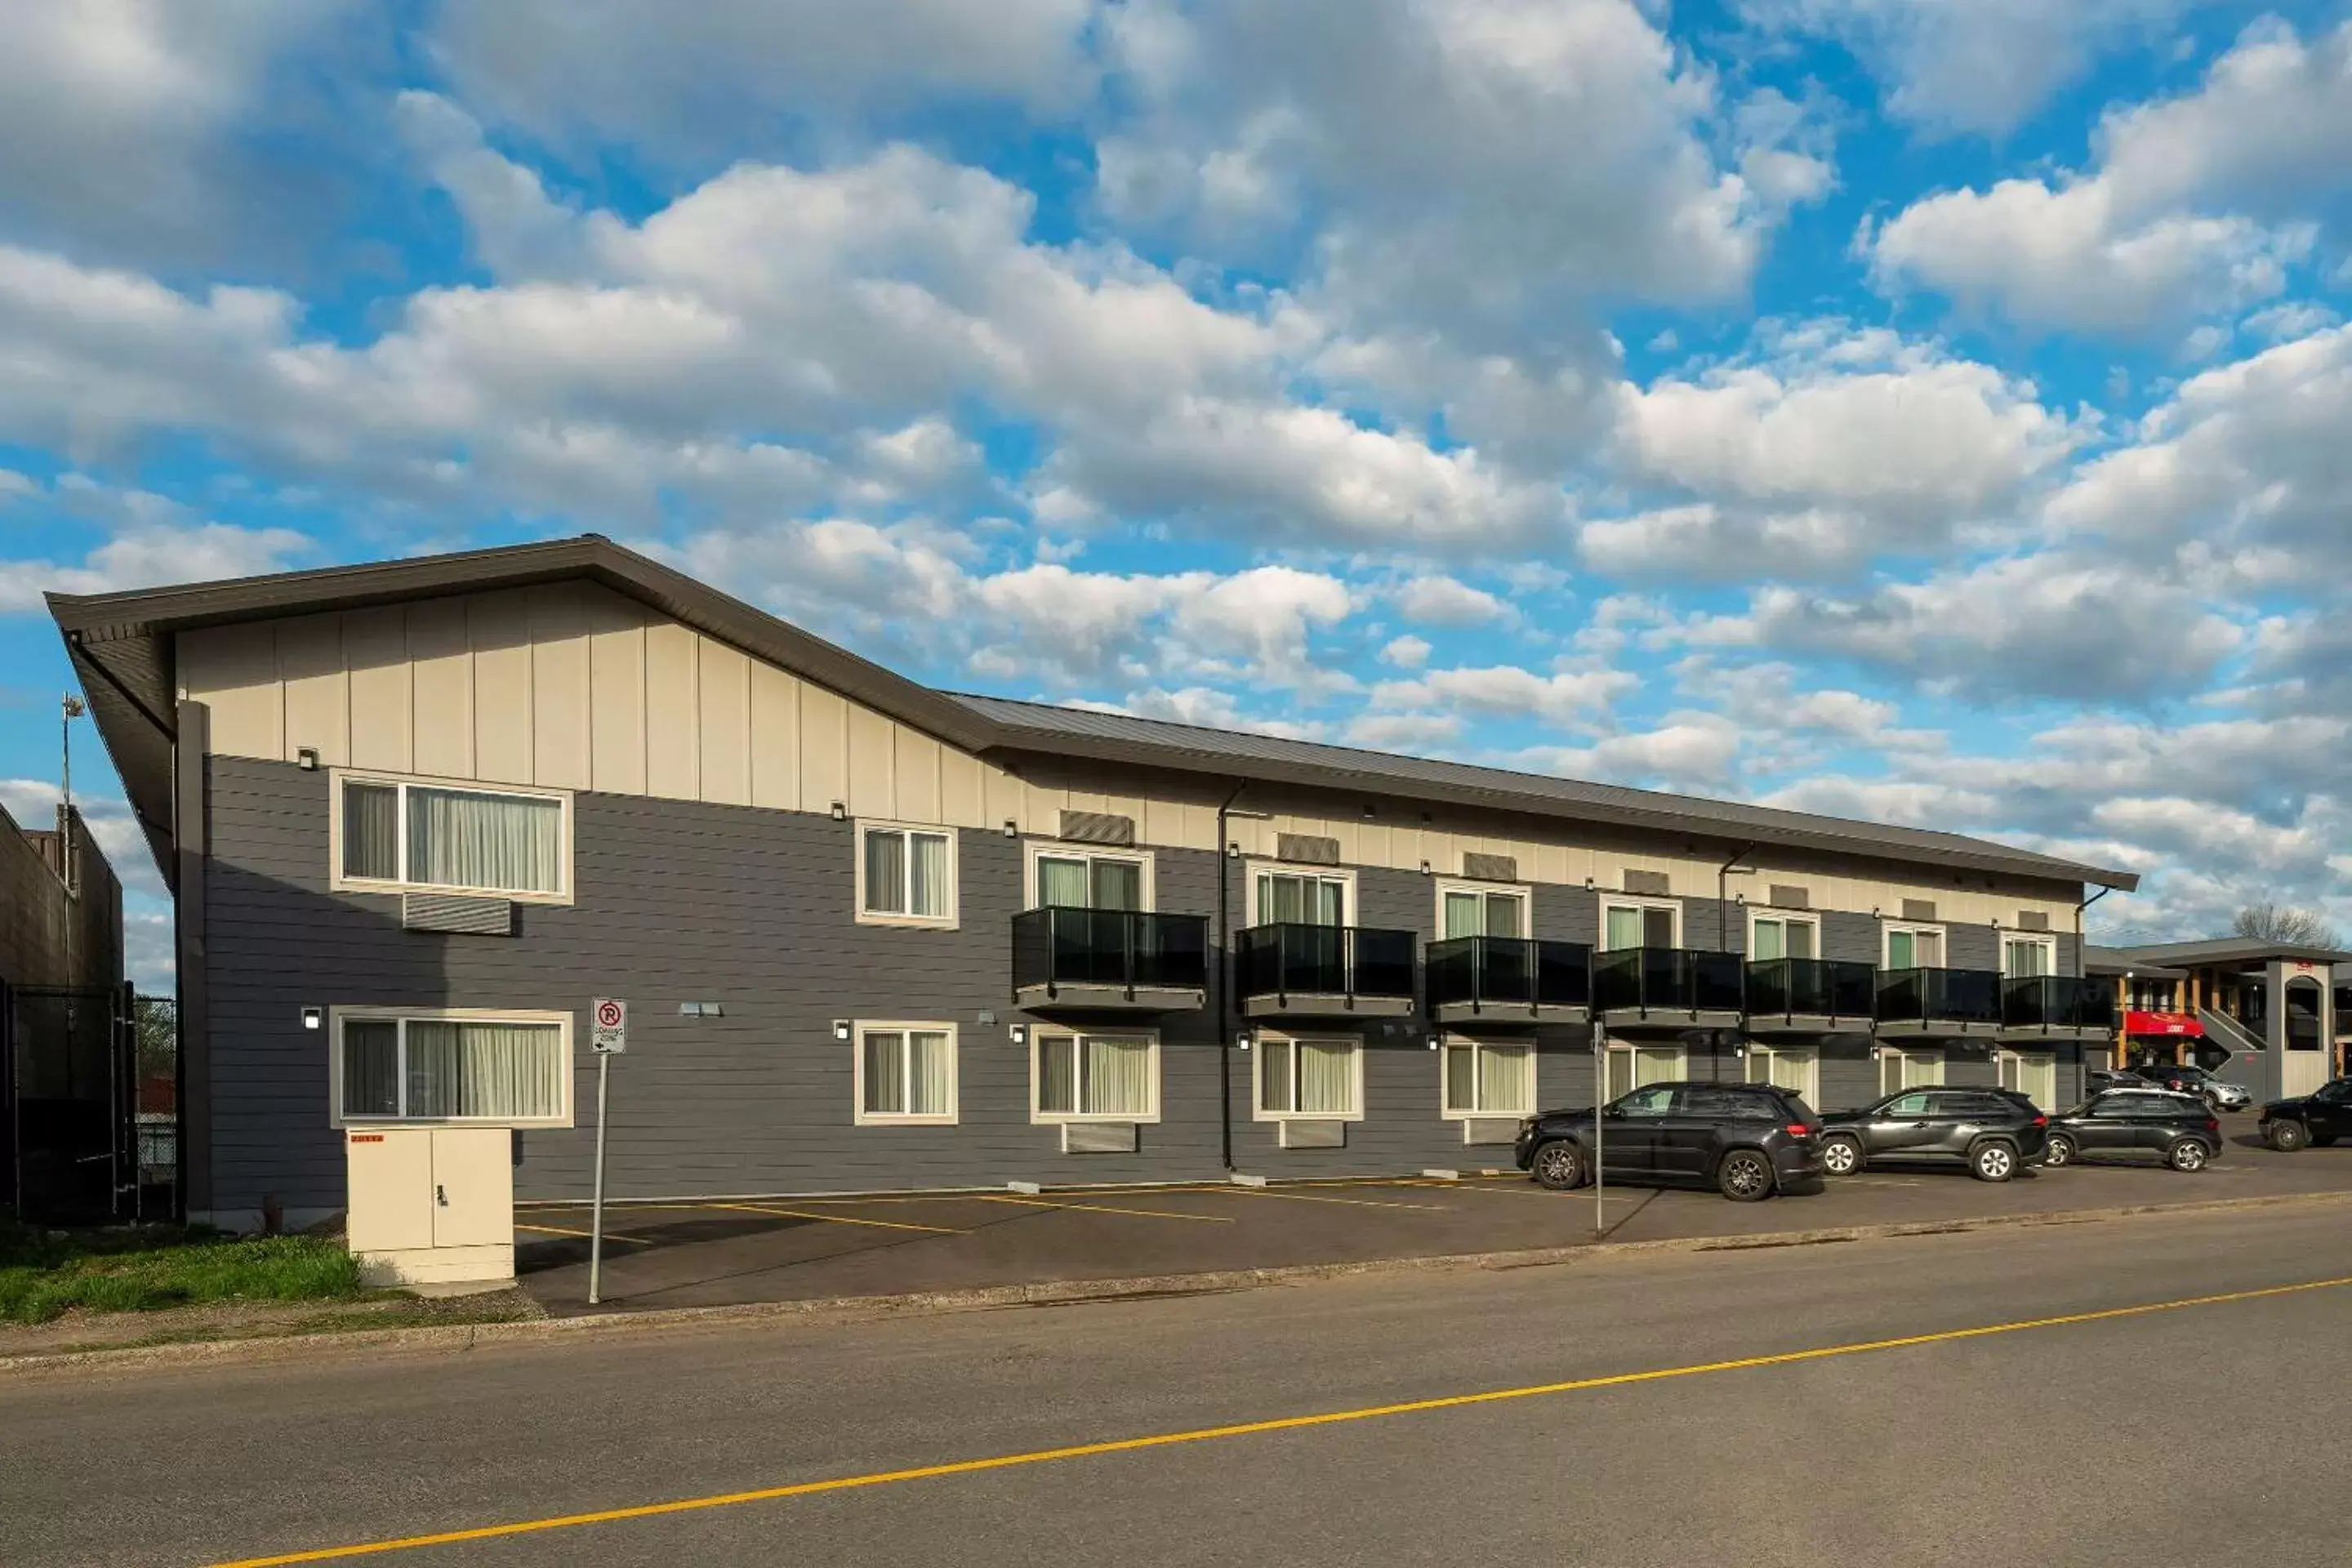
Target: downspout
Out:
[2083,961]
[1224,987]
[1723,939]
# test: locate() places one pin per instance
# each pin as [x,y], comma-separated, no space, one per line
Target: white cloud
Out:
[143,556]
[1509,692]
[1902,803]
[1407,652]
[2196,208]
[1446,601]
[1411,732]
[1206,706]
[1688,750]
[2294,319]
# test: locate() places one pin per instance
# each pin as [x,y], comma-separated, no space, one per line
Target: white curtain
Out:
[1461,1078]
[1624,930]
[1800,939]
[1771,940]
[372,1067]
[1655,1066]
[1057,1074]
[1303,900]
[1118,885]
[930,1074]
[371,831]
[1117,1075]
[508,843]
[1503,915]
[494,1072]
[931,874]
[1327,1077]
[885,872]
[1275,1085]
[1464,915]
[1507,1079]
[1061,884]
[2028,958]
[434,1068]
[886,1073]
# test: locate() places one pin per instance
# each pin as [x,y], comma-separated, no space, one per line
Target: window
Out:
[1639,925]
[906,876]
[1628,1068]
[1645,1103]
[1797,1069]
[906,1074]
[1078,1078]
[1915,947]
[2031,1074]
[1783,936]
[1483,1079]
[1062,877]
[2028,955]
[503,1068]
[1300,898]
[1481,912]
[1908,1069]
[394,835]
[1298,1077]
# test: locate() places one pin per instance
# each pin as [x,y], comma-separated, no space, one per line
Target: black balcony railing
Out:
[1822,987]
[1509,971]
[2058,1001]
[1939,996]
[1111,947]
[1296,960]
[1672,978]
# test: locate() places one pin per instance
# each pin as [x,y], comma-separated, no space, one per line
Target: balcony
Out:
[1292,970]
[1811,995]
[1676,987]
[1509,980]
[1938,1004]
[2058,1007]
[1115,960]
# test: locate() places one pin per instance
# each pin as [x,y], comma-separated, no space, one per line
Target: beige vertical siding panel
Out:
[673,709]
[872,792]
[441,682]
[726,694]
[560,718]
[318,687]
[824,748]
[775,738]
[915,764]
[616,691]
[234,669]
[1002,798]
[375,651]
[961,791]
[498,627]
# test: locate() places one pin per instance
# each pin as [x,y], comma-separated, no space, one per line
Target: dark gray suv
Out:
[1993,1132]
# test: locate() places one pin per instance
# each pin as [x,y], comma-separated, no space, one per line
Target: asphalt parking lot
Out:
[712,1252]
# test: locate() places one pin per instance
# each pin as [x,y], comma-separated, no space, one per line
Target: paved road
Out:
[2026,1444]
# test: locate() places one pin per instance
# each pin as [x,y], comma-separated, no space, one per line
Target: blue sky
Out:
[1929,410]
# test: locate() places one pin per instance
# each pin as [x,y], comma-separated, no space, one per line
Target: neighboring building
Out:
[874,935]
[2265,1011]
[60,998]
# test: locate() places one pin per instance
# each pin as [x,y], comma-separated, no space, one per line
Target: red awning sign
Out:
[2138,1023]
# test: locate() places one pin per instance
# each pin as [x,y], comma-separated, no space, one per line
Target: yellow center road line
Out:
[1250,1429]
[1106,1208]
[1315,1198]
[836,1218]
[584,1236]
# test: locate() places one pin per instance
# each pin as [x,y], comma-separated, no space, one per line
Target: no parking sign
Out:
[611,1033]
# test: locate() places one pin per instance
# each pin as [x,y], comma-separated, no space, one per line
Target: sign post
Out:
[1600,1095]
[609,1038]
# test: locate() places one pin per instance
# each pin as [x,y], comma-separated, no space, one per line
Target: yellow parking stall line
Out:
[1105,1208]
[1316,1198]
[836,1218]
[559,1230]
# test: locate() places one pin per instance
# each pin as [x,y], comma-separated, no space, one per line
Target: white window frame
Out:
[1887,930]
[1762,1055]
[860,826]
[1628,1049]
[1888,1055]
[1343,874]
[2009,1072]
[1757,914]
[1058,849]
[2046,941]
[1454,1042]
[337,778]
[859,1028]
[1355,1044]
[1040,1032]
[1519,891]
[1627,901]
[337,1016]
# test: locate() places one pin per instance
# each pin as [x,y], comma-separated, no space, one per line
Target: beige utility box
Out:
[431,1206]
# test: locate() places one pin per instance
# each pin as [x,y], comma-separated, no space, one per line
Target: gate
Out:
[68,1086]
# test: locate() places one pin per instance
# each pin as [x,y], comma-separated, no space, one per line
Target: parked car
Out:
[1994,1133]
[2097,1081]
[2180,1129]
[2318,1118]
[1747,1141]
[2218,1094]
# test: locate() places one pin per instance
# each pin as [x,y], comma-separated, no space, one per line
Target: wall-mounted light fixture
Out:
[841,1030]
[1435,1041]
[306,759]
[1020,1033]
[1012,829]
[1243,1039]
[1234,850]
[1370,810]
[840,812]
[1425,868]
[314,1017]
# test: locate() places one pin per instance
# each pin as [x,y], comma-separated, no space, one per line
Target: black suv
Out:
[1993,1132]
[2179,1129]
[1747,1141]
[2319,1117]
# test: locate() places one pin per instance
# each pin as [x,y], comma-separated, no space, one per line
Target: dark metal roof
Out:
[2235,950]
[122,650]
[2119,961]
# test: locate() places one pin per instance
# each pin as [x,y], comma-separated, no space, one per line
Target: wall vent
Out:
[1307,848]
[1314,1135]
[2032,920]
[461,916]
[1098,827]
[1918,909]
[1654,884]
[1785,897]
[1490,867]
[1099,1138]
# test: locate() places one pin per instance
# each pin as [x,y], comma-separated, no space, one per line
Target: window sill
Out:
[1486,1115]
[394,889]
[909,923]
[1062,1117]
[1306,1116]
[863,1119]
[427,1124]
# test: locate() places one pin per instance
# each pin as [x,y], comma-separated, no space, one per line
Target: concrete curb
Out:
[462,1337]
